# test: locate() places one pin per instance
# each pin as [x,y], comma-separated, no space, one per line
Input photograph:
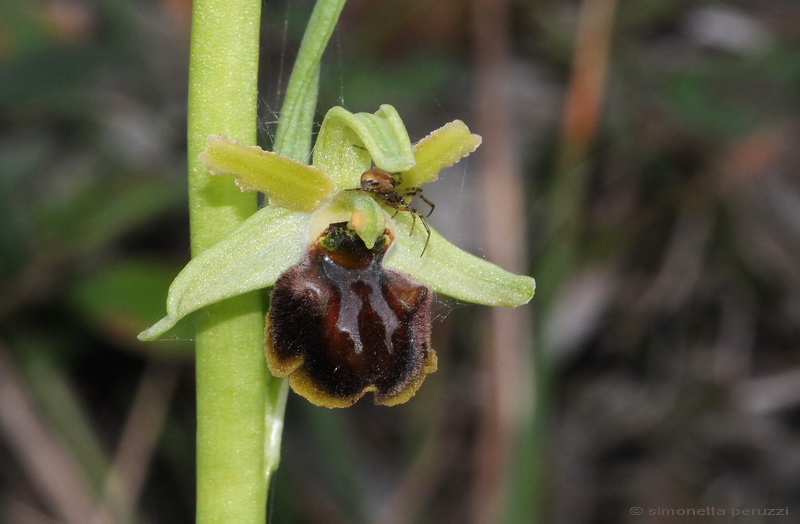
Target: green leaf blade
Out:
[293,136]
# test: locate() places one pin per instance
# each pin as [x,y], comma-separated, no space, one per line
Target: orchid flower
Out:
[352,274]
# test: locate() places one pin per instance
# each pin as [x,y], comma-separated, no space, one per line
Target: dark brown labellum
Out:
[340,324]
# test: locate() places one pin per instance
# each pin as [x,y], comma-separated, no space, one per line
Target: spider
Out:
[383,185]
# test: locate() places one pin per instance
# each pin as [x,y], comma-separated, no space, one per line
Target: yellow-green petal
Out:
[348,144]
[250,258]
[286,182]
[440,149]
[452,271]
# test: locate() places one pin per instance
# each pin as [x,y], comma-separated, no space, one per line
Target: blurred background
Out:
[640,159]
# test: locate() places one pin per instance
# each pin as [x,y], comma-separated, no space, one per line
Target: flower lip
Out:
[341,324]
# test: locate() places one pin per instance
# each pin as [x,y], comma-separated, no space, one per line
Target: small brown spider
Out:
[383,185]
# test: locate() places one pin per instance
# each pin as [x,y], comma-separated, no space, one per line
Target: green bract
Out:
[304,200]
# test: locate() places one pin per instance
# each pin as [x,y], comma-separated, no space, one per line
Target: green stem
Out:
[239,405]
[231,373]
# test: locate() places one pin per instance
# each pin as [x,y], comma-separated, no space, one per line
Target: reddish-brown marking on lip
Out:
[340,324]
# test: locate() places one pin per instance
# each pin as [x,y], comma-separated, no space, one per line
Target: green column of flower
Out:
[231,373]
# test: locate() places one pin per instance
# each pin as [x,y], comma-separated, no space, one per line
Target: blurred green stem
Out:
[239,405]
[563,231]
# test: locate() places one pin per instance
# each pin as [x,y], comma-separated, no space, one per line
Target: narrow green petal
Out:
[286,182]
[451,271]
[348,143]
[440,149]
[252,257]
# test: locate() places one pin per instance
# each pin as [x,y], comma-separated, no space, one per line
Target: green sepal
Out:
[440,149]
[286,182]
[348,144]
[449,270]
[252,257]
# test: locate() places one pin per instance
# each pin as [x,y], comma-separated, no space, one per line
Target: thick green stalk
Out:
[239,405]
[231,373]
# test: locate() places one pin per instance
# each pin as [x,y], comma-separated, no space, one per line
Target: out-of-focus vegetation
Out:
[669,336]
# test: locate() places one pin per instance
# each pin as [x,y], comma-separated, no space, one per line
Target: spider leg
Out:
[428,230]
[417,192]
[433,206]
